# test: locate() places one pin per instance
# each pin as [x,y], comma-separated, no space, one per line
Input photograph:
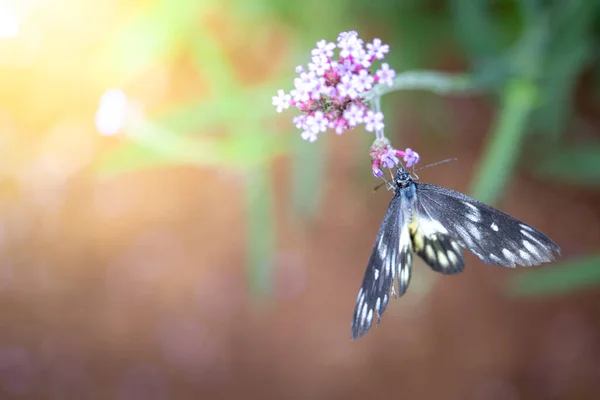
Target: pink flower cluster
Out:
[329,92]
[385,156]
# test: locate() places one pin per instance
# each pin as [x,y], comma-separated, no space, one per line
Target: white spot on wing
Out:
[380,241]
[473,213]
[387,267]
[508,254]
[471,206]
[383,249]
[429,251]
[474,232]
[376,271]
[464,235]
[442,259]
[531,237]
[530,247]
[363,314]
[430,227]
[524,255]
[494,227]
[404,274]
[456,246]
[378,304]
[452,258]
[370,318]
[527,227]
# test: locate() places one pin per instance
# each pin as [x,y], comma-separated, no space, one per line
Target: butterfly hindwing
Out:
[493,236]
[438,249]
[390,262]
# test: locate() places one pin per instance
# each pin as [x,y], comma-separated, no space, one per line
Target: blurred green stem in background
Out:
[260,232]
[436,82]
[307,175]
[502,152]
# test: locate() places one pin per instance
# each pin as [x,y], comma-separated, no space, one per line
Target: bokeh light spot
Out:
[112,112]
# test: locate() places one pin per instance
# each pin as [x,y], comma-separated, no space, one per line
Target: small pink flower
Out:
[299,120]
[376,171]
[282,100]
[309,135]
[377,50]
[362,58]
[351,45]
[319,65]
[386,75]
[319,122]
[389,159]
[373,121]
[409,156]
[363,81]
[354,115]
[323,49]
[346,87]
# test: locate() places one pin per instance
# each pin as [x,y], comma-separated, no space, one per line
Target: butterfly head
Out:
[403,178]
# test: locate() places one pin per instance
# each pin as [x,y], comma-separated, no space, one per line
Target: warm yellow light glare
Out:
[9,22]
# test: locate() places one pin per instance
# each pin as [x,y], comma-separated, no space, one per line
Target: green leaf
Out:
[476,28]
[502,152]
[568,51]
[575,165]
[562,278]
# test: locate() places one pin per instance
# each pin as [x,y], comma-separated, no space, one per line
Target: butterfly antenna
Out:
[380,185]
[436,163]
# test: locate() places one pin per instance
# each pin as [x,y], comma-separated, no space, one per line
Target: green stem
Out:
[260,229]
[436,82]
[502,152]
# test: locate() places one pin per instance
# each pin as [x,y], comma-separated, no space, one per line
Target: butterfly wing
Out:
[390,261]
[493,236]
[435,245]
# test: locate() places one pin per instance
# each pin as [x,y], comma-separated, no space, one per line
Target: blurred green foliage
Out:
[527,55]
[557,279]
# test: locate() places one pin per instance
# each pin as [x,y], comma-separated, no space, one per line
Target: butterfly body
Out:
[437,224]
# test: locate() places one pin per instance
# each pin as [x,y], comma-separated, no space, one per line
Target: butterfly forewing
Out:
[390,261]
[493,236]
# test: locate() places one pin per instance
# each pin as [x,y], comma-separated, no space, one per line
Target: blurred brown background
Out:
[124,270]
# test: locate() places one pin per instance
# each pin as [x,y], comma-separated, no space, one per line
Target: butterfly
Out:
[437,224]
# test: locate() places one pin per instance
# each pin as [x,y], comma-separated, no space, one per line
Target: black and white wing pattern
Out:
[390,262]
[493,236]
[434,244]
